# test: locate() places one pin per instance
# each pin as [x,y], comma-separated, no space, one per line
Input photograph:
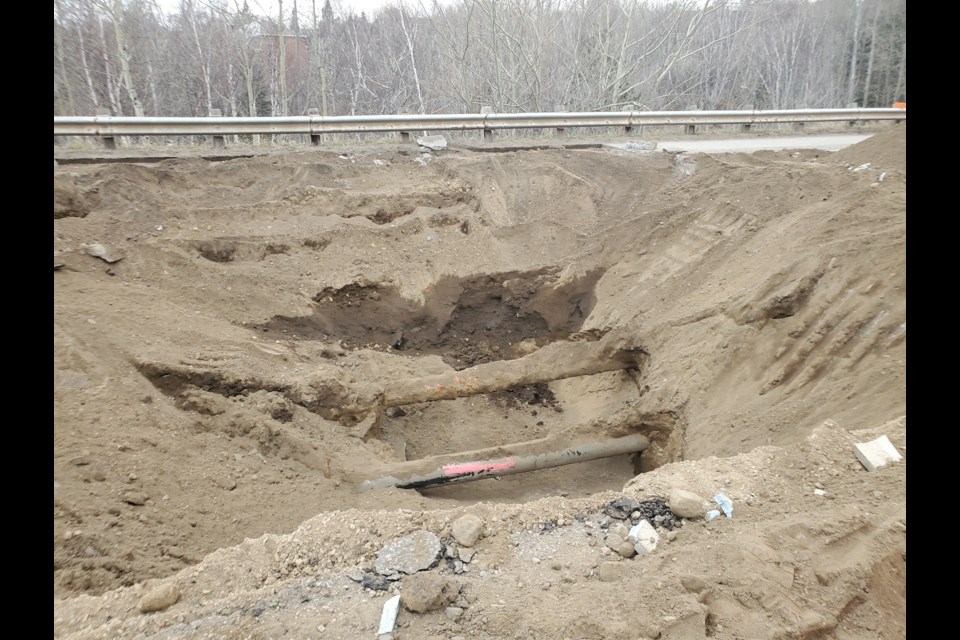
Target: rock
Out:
[627,549]
[686,504]
[467,530]
[225,482]
[450,552]
[159,598]
[136,498]
[434,143]
[671,536]
[374,582]
[467,554]
[615,571]
[427,591]
[690,625]
[453,613]
[418,551]
[819,492]
[106,254]
[613,541]
[693,584]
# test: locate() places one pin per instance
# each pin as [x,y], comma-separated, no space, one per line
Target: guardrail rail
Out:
[109,127]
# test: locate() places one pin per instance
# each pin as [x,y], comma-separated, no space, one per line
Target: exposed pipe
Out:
[475,465]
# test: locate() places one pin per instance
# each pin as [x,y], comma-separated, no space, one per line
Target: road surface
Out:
[833,142]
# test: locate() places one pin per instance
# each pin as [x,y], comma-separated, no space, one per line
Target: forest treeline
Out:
[131,57]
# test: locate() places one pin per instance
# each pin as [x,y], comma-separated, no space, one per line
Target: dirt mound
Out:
[229,377]
[885,151]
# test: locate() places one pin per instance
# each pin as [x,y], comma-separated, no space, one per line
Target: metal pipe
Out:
[474,465]
[317,125]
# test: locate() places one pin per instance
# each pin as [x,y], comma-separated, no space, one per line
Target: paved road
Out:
[749,145]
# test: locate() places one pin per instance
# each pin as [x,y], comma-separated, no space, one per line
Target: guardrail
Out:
[109,127]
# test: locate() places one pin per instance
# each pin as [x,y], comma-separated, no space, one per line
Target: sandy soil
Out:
[206,386]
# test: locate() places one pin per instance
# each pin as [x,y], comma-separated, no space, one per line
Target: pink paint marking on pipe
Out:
[478,467]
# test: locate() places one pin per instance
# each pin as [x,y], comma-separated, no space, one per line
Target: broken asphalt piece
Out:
[388,617]
[374,582]
[644,537]
[57,266]
[418,551]
[423,158]
[621,508]
[712,515]
[434,143]
[97,250]
[724,503]
[876,453]
[654,510]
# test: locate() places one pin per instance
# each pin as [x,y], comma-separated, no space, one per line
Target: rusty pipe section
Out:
[475,465]
[556,361]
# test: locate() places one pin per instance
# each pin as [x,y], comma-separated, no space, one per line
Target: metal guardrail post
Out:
[559,132]
[487,131]
[799,125]
[219,142]
[745,127]
[691,129]
[109,142]
[853,105]
[404,136]
[314,137]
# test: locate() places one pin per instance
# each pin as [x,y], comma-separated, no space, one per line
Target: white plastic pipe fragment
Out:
[389,616]
[724,503]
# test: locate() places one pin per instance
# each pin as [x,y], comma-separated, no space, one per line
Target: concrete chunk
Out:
[409,554]
[876,453]
[434,142]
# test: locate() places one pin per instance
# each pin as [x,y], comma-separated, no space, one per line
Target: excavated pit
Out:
[465,321]
[200,400]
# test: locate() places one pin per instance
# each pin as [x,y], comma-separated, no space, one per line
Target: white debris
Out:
[434,143]
[644,537]
[423,158]
[863,167]
[712,514]
[819,492]
[724,504]
[389,616]
[876,453]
